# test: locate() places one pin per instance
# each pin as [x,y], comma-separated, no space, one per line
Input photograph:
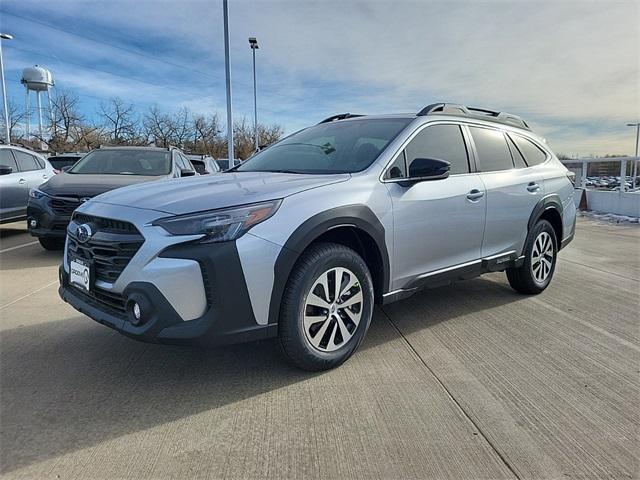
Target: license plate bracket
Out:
[81,273]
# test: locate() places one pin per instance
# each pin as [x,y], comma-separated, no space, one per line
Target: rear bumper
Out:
[228,317]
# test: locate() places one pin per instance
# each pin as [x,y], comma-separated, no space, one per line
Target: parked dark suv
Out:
[106,168]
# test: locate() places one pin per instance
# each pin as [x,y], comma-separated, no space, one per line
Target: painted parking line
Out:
[18,246]
[28,294]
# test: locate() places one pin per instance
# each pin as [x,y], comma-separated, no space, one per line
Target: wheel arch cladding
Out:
[548,208]
[355,226]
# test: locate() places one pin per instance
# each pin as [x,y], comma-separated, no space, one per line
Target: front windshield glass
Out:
[337,147]
[124,162]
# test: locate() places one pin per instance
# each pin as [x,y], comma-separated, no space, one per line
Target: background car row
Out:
[46,191]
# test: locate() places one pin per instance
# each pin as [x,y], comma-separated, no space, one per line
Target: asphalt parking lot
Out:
[468,381]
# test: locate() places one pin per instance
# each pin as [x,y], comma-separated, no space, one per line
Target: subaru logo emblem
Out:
[84,233]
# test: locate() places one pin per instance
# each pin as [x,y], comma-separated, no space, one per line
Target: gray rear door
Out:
[512,190]
[31,169]
[13,190]
[437,224]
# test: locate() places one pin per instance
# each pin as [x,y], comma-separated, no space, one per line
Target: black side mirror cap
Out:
[429,168]
[187,172]
[5,170]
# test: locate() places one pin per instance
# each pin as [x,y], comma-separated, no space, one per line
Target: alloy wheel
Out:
[332,309]
[542,257]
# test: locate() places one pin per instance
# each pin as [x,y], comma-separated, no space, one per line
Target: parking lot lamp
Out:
[253,43]
[227,68]
[635,162]
[5,36]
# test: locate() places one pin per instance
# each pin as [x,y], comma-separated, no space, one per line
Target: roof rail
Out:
[481,113]
[340,116]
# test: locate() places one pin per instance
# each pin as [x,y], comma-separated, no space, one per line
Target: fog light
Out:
[139,309]
[33,223]
[136,311]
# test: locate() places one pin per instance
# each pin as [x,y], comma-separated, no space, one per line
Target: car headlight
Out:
[220,225]
[35,193]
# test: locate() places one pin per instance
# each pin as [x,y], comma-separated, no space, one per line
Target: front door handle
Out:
[22,181]
[533,187]
[475,195]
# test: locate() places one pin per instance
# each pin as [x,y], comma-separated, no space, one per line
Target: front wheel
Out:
[540,252]
[326,308]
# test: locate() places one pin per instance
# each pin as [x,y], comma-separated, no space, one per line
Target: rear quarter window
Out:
[531,152]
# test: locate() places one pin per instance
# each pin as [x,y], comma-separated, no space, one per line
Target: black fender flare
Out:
[358,216]
[544,204]
[549,202]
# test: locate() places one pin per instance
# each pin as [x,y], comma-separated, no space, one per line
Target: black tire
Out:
[522,279]
[51,244]
[294,342]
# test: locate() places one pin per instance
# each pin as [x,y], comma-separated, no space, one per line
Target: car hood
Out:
[209,192]
[74,184]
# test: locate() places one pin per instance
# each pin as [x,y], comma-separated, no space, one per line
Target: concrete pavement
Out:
[468,381]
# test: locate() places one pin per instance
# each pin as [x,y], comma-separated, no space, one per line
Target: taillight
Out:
[571,176]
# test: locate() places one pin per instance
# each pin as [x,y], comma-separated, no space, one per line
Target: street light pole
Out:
[635,162]
[227,68]
[7,132]
[253,43]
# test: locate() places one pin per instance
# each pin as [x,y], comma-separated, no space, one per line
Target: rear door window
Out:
[7,160]
[492,148]
[26,162]
[531,152]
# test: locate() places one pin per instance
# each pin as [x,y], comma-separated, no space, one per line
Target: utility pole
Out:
[227,68]
[7,131]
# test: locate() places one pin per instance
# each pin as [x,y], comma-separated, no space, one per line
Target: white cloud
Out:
[571,67]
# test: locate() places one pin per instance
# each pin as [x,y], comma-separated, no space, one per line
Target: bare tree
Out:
[182,127]
[16,116]
[66,120]
[121,123]
[206,135]
[244,140]
[158,127]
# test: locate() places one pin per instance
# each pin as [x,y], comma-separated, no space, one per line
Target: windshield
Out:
[338,147]
[124,162]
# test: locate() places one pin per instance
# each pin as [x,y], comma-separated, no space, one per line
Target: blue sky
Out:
[569,67]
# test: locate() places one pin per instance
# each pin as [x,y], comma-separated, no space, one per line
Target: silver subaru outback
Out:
[301,241]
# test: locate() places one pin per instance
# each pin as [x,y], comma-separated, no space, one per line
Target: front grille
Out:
[112,303]
[64,206]
[106,224]
[111,247]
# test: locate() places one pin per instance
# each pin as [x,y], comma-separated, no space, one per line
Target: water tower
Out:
[36,79]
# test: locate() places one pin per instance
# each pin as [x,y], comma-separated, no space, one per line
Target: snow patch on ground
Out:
[609,217]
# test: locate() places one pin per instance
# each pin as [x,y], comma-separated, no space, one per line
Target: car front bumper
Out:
[48,222]
[228,315]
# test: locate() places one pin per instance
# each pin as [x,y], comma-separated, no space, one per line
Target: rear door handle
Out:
[22,181]
[533,187]
[475,195]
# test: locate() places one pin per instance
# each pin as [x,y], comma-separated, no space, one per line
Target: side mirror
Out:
[187,172]
[5,170]
[428,169]
[66,168]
